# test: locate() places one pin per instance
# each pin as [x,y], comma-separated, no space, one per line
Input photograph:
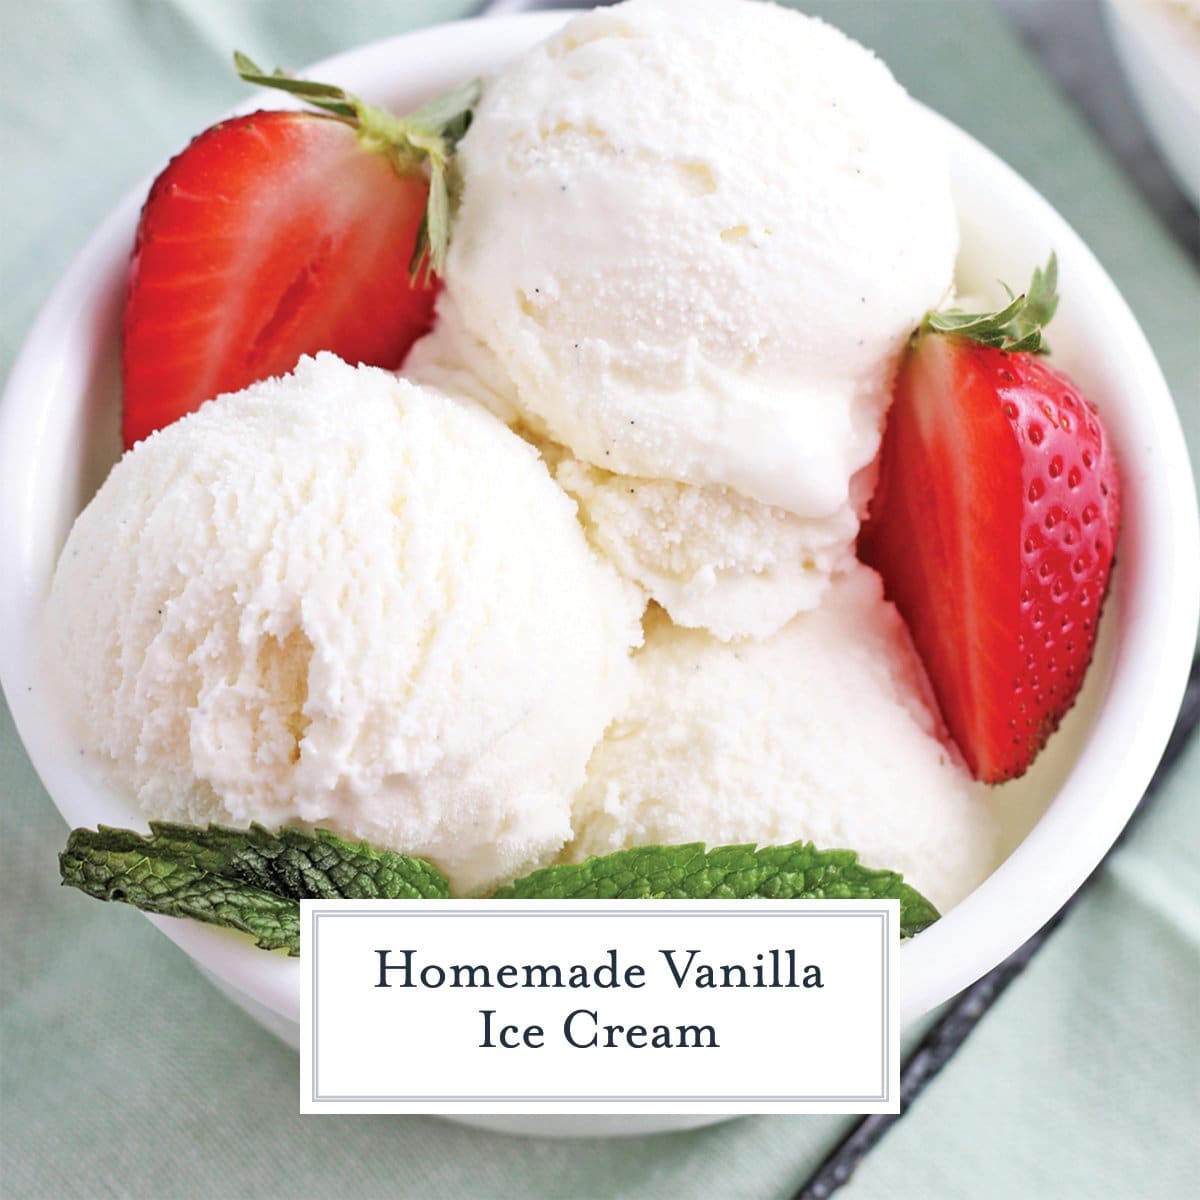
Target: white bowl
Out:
[58,437]
[1158,46]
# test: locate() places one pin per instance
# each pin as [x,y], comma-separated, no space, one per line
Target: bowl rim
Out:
[1148,677]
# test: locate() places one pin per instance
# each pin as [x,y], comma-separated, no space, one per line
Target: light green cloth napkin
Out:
[125,1074]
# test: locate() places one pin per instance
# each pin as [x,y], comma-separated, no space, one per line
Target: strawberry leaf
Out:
[444,111]
[1017,327]
[321,95]
[424,141]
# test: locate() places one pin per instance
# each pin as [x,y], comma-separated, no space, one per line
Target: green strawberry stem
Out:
[1016,327]
[425,139]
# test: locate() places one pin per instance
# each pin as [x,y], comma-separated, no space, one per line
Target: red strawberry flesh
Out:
[993,526]
[271,236]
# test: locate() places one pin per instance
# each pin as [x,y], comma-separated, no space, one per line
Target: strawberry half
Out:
[280,234]
[993,525]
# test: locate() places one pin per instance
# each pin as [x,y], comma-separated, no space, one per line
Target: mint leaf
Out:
[247,879]
[796,872]
[253,879]
[296,863]
[119,865]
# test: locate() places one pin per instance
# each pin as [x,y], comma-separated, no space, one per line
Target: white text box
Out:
[742,1006]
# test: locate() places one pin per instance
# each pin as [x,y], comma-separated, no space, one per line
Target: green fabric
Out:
[125,1074]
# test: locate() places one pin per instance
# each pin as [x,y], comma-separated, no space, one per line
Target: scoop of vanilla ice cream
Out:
[694,236]
[819,733]
[341,599]
[711,557]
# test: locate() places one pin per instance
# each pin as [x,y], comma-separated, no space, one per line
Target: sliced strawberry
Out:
[993,526]
[269,237]
[280,234]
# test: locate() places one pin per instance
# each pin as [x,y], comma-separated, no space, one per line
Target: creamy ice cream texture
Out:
[693,238]
[691,242]
[819,733]
[713,558]
[342,599]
